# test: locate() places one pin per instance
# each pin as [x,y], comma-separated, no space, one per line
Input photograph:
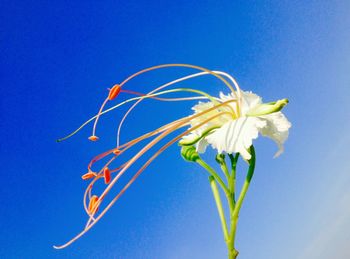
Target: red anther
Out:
[107,175]
[113,92]
[93,138]
[88,175]
[116,152]
[93,204]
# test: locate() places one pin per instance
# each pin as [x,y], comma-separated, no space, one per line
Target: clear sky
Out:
[58,58]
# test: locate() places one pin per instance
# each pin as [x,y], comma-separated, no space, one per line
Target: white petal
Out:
[189,138]
[201,145]
[249,101]
[201,106]
[237,136]
[277,127]
[227,97]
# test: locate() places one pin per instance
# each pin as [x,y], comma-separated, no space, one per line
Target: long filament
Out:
[163,86]
[178,65]
[127,145]
[177,81]
[123,103]
[139,154]
[154,156]
[159,67]
[164,132]
[166,99]
[134,177]
[182,122]
[159,93]
[171,125]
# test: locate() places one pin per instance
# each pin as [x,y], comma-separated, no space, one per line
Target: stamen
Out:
[171,126]
[88,175]
[131,161]
[114,92]
[177,81]
[127,145]
[93,138]
[182,123]
[93,205]
[132,99]
[150,96]
[98,116]
[88,226]
[88,190]
[116,152]
[112,95]
[107,175]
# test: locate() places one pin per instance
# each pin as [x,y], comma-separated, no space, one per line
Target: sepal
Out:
[189,153]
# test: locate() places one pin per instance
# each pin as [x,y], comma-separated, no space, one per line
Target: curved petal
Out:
[249,101]
[277,128]
[185,140]
[202,106]
[236,136]
[201,145]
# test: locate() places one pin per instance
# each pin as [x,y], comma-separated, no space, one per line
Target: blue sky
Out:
[58,58]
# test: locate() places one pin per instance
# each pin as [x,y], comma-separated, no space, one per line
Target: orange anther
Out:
[88,175]
[116,152]
[93,204]
[93,138]
[107,175]
[113,92]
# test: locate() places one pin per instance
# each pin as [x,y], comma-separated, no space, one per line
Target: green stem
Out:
[218,202]
[220,158]
[235,214]
[232,181]
[232,254]
[214,174]
[229,191]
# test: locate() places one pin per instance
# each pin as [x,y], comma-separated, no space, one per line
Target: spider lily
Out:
[229,123]
[236,134]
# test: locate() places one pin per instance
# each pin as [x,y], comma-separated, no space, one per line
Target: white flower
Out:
[236,134]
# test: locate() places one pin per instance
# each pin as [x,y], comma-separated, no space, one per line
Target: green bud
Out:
[220,158]
[189,153]
[267,108]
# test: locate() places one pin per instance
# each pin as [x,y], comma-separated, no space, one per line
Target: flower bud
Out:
[267,108]
[189,153]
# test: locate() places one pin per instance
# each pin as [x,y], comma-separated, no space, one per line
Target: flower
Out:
[228,123]
[235,134]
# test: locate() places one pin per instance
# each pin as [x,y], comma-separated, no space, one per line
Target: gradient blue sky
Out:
[58,58]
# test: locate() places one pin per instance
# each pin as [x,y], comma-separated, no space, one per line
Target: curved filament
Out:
[138,155]
[155,68]
[130,100]
[178,81]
